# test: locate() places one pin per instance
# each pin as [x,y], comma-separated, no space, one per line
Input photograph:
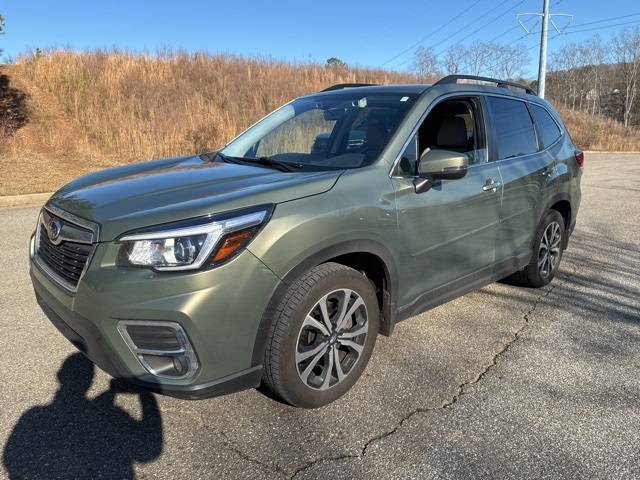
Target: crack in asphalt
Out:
[232,447]
[460,391]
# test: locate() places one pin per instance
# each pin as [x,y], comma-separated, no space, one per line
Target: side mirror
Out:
[334,114]
[440,165]
[321,143]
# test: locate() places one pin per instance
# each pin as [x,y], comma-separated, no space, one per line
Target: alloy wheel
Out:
[331,339]
[549,252]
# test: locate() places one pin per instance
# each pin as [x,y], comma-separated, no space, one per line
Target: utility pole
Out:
[542,65]
[546,17]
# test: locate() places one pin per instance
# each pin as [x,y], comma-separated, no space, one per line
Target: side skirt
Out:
[457,288]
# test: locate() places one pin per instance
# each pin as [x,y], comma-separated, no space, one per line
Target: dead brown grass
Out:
[91,110]
[594,132]
[142,106]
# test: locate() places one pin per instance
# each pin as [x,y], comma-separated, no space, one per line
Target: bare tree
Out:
[425,62]
[566,60]
[475,61]
[453,60]
[626,53]
[510,60]
[596,56]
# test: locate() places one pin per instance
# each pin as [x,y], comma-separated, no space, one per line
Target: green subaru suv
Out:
[279,259]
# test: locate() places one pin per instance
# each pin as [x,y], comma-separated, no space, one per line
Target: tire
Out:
[300,347]
[550,236]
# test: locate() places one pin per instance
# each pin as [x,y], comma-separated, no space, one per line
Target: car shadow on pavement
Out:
[79,437]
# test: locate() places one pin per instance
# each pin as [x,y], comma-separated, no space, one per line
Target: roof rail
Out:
[340,86]
[499,83]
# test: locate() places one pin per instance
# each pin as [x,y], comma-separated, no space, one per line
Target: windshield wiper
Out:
[265,161]
[272,162]
[226,158]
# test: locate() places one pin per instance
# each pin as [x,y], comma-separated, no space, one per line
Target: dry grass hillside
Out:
[65,113]
[596,132]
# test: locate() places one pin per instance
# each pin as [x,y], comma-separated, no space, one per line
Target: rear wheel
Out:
[322,337]
[547,253]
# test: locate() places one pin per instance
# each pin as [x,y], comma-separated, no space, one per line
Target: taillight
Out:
[579,157]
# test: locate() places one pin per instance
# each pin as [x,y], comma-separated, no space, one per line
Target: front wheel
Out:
[322,337]
[547,253]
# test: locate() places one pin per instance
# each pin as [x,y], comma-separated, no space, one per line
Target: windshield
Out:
[325,132]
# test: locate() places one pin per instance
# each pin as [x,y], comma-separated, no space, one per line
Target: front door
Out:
[448,232]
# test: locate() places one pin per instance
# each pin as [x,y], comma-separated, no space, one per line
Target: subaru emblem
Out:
[54,228]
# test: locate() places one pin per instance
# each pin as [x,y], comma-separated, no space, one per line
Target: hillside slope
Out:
[65,113]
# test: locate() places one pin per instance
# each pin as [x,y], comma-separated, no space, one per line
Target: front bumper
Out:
[220,310]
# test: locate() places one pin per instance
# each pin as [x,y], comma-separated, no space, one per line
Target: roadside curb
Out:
[28,200]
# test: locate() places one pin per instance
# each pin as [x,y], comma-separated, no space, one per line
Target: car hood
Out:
[151,193]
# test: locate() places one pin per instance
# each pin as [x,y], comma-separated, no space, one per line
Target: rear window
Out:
[514,131]
[547,127]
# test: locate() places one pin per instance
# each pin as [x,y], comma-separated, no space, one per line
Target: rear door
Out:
[523,166]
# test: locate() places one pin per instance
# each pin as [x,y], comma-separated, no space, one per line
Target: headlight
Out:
[192,244]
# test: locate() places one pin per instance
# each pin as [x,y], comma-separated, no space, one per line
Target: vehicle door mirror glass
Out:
[321,143]
[443,164]
[334,114]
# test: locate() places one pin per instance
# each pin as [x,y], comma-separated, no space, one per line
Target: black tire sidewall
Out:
[292,388]
[534,277]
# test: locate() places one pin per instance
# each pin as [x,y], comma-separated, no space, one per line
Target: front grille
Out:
[64,244]
[67,260]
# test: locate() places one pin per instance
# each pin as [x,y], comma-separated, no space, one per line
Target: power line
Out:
[535,24]
[507,31]
[603,27]
[605,20]
[500,35]
[515,27]
[404,62]
[486,24]
[537,44]
[432,33]
[513,42]
[454,33]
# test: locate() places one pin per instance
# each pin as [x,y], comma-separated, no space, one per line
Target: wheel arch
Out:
[561,202]
[368,256]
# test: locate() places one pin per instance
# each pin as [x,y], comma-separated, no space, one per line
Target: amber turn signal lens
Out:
[231,244]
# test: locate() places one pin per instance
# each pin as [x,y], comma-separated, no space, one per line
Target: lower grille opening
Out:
[162,347]
[153,337]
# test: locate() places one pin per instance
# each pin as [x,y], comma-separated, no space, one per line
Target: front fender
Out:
[357,216]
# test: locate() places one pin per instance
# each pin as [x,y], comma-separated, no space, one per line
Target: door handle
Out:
[491,186]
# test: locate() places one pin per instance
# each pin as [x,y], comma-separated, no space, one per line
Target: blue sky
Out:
[361,32]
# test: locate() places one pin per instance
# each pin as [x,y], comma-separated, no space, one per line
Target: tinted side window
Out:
[514,131]
[547,127]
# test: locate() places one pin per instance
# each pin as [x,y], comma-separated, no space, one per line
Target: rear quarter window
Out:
[514,132]
[547,127]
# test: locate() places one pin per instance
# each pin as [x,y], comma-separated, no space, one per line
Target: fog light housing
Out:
[163,348]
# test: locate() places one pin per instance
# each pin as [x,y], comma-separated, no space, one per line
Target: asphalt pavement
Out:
[504,382]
